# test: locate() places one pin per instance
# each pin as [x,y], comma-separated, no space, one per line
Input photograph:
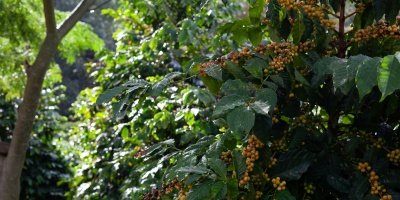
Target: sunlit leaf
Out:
[388,75]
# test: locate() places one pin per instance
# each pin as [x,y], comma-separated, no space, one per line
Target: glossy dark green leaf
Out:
[291,165]
[322,70]
[229,102]
[273,12]
[235,70]
[335,5]
[241,119]
[359,186]
[344,73]
[388,75]
[212,84]
[392,105]
[157,88]
[239,161]
[219,190]
[267,96]
[298,29]
[366,77]
[214,71]
[301,78]
[255,66]
[339,183]
[218,166]
[379,8]
[200,191]
[277,79]
[235,87]
[192,178]
[194,169]
[215,150]
[284,195]
[109,94]
[392,10]
[351,145]
[233,189]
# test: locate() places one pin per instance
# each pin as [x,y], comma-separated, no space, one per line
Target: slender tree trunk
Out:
[14,162]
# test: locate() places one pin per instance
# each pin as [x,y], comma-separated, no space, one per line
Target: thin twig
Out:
[102,4]
[351,14]
[331,13]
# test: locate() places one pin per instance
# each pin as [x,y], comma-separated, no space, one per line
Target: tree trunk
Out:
[14,162]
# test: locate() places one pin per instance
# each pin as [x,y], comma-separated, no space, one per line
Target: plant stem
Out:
[342,47]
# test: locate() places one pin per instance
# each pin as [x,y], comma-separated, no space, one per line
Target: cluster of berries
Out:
[251,154]
[278,184]
[394,156]
[378,31]
[376,187]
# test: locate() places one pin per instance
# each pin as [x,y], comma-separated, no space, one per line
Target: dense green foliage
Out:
[307,111]
[277,99]
[155,38]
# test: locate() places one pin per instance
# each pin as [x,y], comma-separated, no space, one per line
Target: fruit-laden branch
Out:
[12,166]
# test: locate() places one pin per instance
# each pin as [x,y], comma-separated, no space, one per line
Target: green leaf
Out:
[109,94]
[235,87]
[261,107]
[228,103]
[351,145]
[255,36]
[339,183]
[322,69]
[214,151]
[335,5]
[273,35]
[233,190]
[359,186]
[235,70]
[267,96]
[273,12]
[218,166]
[277,79]
[392,11]
[255,67]
[136,86]
[255,11]
[183,36]
[194,169]
[388,75]
[239,161]
[239,29]
[192,178]
[298,29]
[214,71]
[200,191]
[157,88]
[379,9]
[284,195]
[212,84]
[219,190]
[241,119]
[366,77]
[392,104]
[291,165]
[344,73]
[300,78]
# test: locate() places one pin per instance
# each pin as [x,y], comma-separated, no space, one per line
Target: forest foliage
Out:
[305,108]
[276,99]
